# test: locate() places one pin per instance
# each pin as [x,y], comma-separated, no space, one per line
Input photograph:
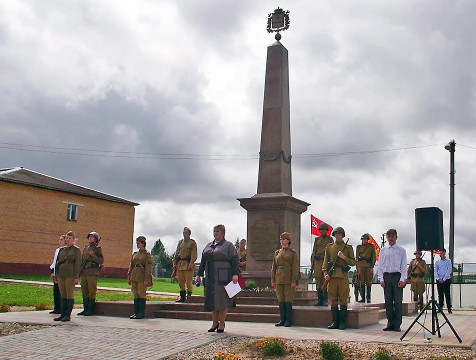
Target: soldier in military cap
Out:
[92,261]
[417,269]
[139,277]
[284,277]
[68,266]
[338,279]
[366,257]
[317,258]
[184,262]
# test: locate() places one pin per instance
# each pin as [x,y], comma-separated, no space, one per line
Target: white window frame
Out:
[72,210]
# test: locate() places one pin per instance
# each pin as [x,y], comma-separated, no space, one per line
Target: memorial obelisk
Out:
[273,209]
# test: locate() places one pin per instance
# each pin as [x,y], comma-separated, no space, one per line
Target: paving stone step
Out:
[202,315]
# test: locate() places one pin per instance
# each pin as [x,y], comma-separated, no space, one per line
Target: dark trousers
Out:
[444,290]
[56,297]
[393,299]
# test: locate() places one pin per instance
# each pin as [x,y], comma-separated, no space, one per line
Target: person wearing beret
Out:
[284,278]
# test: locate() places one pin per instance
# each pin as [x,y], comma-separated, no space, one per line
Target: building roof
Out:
[23,176]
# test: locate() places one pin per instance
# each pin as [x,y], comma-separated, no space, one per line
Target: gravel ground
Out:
[309,349]
[16,328]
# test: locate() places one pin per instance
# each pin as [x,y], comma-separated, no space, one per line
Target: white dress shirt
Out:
[53,264]
[392,259]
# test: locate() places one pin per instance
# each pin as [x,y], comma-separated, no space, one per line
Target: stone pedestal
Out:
[268,216]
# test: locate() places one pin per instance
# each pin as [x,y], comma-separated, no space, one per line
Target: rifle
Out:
[411,272]
[331,270]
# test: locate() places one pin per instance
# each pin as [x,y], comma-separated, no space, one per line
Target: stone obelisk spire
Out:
[273,209]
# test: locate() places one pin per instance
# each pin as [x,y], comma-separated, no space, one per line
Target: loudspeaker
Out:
[429,229]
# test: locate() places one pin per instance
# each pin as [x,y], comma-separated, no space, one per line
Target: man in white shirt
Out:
[443,270]
[56,293]
[392,274]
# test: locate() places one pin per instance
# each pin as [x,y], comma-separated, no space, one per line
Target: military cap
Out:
[95,234]
[186,228]
[323,226]
[365,236]
[285,235]
[339,229]
[417,252]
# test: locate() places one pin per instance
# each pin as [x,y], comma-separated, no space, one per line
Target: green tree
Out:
[160,256]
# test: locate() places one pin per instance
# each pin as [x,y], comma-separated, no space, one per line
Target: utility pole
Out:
[451,148]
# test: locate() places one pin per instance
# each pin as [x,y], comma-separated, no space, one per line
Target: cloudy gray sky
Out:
[105,94]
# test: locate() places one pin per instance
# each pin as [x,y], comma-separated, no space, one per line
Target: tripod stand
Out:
[435,309]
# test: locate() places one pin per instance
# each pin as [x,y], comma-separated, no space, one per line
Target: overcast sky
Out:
[134,83]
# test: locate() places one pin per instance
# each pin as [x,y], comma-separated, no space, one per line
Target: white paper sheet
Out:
[232,289]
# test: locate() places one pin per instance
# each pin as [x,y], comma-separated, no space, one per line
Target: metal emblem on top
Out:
[278,21]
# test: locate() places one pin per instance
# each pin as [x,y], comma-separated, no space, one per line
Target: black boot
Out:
[85,306]
[325,298]
[420,302]
[56,300]
[369,292]
[335,318]
[343,318]
[319,297]
[69,308]
[141,308]
[282,314]
[289,314]
[136,309]
[362,294]
[62,309]
[182,296]
[91,306]
[189,295]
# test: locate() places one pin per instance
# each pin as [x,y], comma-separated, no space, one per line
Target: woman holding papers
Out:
[284,277]
[220,265]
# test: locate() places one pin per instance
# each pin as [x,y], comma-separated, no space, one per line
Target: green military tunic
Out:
[91,265]
[185,257]
[140,271]
[366,258]
[338,288]
[241,258]
[68,266]
[284,271]
[317,257]
[416,274]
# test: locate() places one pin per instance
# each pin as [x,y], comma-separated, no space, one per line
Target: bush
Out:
[331,351]
[382,354]
[273,346]
[42,306]
[4,308]
[250,285]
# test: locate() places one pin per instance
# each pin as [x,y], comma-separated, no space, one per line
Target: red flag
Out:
[315,223]
[374,243]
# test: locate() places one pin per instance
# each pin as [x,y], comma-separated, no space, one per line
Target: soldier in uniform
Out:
[366,257]
[184,262]
[338,279]
[417,270]
[140,277]
[68,266]
[92,261]
[317,258]
[242,255]
[284,277]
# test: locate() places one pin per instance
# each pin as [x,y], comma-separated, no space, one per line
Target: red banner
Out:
[377,248]
[315,222]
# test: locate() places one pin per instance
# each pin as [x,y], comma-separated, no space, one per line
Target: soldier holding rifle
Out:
[93,259]
[338,259]
[416,273]
[366,257]
[317,258]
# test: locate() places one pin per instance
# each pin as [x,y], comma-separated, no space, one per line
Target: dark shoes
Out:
[388,328]
[213,328]
[450,311]
[221,330]
[397,329]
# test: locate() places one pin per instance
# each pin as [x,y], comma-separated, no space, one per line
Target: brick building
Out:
[35,209]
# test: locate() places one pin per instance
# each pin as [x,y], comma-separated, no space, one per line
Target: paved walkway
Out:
[114,338]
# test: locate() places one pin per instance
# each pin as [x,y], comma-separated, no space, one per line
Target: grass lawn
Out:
[160,285]
[31,295]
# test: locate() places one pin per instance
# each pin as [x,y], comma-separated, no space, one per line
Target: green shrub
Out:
[382,354]
[42,306]
[250,285]
[331,351]
[272,346]
[4,308]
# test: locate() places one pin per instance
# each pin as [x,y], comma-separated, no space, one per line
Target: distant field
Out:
[160,284]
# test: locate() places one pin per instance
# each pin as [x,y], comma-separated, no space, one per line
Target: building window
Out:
[72,213]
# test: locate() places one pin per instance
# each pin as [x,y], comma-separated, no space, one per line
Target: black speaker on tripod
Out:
[429,229]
